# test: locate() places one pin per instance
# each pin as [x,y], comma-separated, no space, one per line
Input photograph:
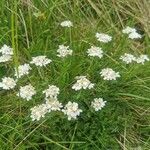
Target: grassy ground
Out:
[32,28]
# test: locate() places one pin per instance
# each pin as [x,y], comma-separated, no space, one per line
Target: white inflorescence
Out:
[141,59]
[66,23]
[132,33]
[127,58]
[51,92]
[109,74]
[53,104]
[98,104]
[71,110]
[6,50]
[63,51]
[105,38]
[22,70]
[26,92]
[82,83]
[40,61]
[7,83]
[95,51]
[38,112]
[6,53]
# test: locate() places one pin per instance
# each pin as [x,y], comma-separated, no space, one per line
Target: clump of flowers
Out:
[6,53]
[127,58]
[66,23]
[95,51]
[71,110]
[141,59]
[82,83]
[7,83]
[51,92]
[53,104]
[64,51]
[22,70]
[98,103]
[27,92]
[105,38]
[132,33]
[109,74]
[38,112]
[40,61]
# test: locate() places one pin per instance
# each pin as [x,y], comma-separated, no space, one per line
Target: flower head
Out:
[105,38]
[66,23]
[53,104]
[51,92]
[127,58]
[71,110]
[95,51]
[135,35]
[141,59]
[22,70]
[40,61]
[128,30]
[7,83]
[98,104]
[82,83]
[63,51]
[26,92]
[38,112]
[6,50]
[109,74]
[5,58]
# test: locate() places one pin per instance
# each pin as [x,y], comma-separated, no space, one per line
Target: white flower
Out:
[53,104]
[37,112]
[95,51]
[127,58]
[6,50]
[22,70]
[40,61]
[142,58]
[52,91]
[71,110]
[66,23]
[135,35]
[7,83]
[98,104]
[26,92]
[128,30]
[105,38]
[5,58]
[109,74]
[63,51]
[82,83]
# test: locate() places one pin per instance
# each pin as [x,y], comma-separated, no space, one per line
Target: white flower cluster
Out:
[129,58]
[109,74]
[38,112]
[98,103]
[132,33]
[82,83]
[7,83]
[51,92]
[6,53]
[71,110]
[66,23]
[22,70]
[64,51]
[26,92]
[40,61]
[105,38]
[95,51]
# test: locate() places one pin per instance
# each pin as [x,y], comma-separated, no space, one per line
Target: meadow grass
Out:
[33,28]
